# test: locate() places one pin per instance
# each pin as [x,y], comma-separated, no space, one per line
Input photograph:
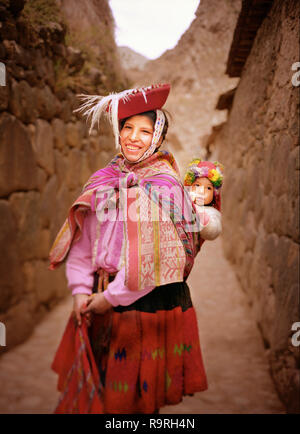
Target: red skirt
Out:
[148,353]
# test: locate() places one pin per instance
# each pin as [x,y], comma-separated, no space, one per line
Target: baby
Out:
[204,180]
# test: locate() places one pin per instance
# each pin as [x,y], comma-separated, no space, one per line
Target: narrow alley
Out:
[232,348]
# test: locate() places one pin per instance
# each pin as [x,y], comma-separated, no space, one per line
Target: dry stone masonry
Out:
[45,152]
[259,146]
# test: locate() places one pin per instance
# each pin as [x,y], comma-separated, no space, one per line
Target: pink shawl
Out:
[160,244]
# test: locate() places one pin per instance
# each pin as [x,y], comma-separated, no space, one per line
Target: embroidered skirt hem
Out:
[148,353]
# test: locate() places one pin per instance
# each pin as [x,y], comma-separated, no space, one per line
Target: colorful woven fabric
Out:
[153,357]
[155,256]
[78,379]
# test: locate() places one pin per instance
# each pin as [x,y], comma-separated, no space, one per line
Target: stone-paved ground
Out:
[236,365]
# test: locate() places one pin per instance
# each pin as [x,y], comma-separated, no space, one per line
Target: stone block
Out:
[4,96]
[41,179]
[59,133]
[66,112]
[10,273]
[26,208]
[16,53]
[73,169]
[74,134]
[60,167]
[22,101]
[293,229]
[48,203]
[43,146]
[46,103]
[17,159]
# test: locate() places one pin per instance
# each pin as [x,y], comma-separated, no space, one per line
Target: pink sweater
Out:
[101,245]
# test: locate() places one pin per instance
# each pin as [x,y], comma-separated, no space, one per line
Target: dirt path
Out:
[236,366]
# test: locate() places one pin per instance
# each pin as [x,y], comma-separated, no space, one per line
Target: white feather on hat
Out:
[93,107]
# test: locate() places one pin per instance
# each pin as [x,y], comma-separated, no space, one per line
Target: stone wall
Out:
[260,150]
[46,154]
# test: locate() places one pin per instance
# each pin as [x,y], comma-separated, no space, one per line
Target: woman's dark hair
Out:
[152,116]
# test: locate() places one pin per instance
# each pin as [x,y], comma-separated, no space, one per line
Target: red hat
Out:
[143,100]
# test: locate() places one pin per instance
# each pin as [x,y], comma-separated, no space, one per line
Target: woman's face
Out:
[204,189]
[136,136]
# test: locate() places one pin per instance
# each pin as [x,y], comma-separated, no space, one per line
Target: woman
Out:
[129,227]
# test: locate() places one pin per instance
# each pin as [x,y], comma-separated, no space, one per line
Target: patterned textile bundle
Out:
[161,239]
[78,379]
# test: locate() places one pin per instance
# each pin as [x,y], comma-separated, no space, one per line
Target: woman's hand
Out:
[79,303]
[97,303]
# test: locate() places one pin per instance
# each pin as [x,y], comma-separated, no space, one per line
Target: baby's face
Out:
[203,189]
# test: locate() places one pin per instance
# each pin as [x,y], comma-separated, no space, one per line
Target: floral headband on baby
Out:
[212,171]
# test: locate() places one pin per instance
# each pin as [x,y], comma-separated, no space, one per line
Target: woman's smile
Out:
[131,147]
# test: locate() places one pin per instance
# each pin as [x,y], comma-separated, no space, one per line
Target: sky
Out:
[151,27]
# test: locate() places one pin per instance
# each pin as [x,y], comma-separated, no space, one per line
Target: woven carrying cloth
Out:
[78,379]
[161,242]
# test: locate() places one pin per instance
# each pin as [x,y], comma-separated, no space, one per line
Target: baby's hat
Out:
[212,171]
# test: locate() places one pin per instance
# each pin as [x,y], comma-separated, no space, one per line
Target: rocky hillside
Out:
[132,60]
[196,70]
[91,28]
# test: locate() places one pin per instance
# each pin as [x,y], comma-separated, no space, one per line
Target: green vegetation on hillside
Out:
[41,12]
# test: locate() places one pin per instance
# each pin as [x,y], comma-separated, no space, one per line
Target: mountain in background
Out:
[195,67]
[130,59]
